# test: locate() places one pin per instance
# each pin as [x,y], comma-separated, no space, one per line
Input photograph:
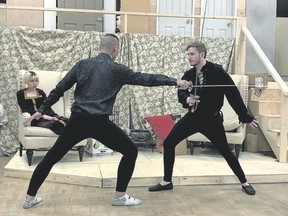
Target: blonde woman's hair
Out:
[28,76]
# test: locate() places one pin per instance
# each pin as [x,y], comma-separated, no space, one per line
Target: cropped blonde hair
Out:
[28,76]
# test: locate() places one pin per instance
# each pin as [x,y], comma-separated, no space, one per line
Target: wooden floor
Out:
[212,199]
[206,166]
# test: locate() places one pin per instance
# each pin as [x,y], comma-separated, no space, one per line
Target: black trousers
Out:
[80,127]
[209,125]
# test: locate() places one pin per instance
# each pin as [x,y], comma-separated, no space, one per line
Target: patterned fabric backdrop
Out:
[30,48]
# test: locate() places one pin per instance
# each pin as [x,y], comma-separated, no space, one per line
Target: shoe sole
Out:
[125,204]
[28,207]
[121,204]
[161,190]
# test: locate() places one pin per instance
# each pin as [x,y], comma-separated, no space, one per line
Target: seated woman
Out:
[31,98]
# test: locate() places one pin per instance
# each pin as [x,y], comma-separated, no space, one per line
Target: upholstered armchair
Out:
[235,132]
[38,138]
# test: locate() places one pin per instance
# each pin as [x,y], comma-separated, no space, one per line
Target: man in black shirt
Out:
[98,81]
[204,115]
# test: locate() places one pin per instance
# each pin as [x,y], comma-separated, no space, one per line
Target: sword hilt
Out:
[190,86]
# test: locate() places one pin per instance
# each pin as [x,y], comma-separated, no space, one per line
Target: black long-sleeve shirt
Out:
[32,104]
[98,81]
[212,98]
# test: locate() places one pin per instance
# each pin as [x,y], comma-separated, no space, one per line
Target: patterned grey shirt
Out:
[98,81]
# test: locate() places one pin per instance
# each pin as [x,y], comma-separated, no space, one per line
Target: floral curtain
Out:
[30,48]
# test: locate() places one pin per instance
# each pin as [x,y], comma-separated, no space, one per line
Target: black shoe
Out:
[159,187]
[249,189]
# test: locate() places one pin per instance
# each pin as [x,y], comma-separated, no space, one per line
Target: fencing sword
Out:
[257,89]
[216,86]
[203,21]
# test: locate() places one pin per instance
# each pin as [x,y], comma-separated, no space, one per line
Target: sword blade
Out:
[216,86]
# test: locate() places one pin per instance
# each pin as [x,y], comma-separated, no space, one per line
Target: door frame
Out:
[50,17]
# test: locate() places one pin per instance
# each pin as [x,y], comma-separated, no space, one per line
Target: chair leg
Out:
[81,152]
[20,149]
[29,153]
[153,146]
[191,146]
[237,150]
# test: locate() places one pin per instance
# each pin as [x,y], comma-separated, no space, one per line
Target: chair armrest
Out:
[22,118]
[241,128]
[25,116]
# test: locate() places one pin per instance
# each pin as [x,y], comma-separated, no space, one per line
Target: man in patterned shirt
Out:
[98,81]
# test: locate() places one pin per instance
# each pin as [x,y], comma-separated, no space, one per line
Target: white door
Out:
[175,26]
[50,21]
[218,27]
[80,21]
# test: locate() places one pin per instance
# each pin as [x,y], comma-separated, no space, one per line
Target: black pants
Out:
[80,127]
[209,125]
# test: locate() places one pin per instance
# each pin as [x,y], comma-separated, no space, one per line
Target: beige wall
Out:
[136,24]
[153,20]
[24,17]
[2,17]
[281,47]
[197,22]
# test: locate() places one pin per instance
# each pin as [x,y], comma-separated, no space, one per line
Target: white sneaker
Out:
[126,200]
[29,204]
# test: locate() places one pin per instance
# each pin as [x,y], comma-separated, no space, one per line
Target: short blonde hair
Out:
[28,76]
